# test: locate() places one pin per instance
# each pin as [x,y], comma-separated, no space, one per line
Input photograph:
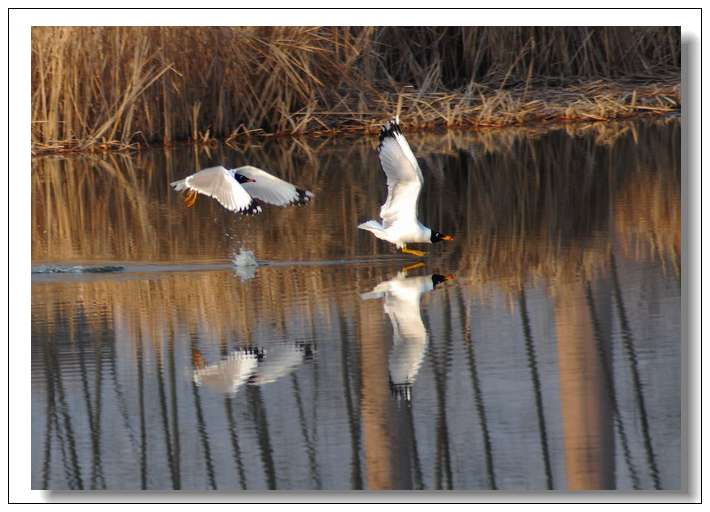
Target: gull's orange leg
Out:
[407,268]
[190,198]
[413,252]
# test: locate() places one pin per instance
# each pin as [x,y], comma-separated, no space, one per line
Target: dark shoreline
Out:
[370,127]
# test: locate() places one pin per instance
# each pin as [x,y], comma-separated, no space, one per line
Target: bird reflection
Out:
[409,336]
[251,366]
[279,362]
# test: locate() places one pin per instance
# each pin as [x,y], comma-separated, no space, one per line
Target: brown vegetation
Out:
[100,88]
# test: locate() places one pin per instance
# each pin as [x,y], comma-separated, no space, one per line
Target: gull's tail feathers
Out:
[374,227]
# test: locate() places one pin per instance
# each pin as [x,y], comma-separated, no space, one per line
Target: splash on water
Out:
[245,264]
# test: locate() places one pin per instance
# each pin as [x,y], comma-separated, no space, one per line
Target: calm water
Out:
[551,360]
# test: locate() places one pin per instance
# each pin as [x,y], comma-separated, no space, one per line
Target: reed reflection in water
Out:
[551,360]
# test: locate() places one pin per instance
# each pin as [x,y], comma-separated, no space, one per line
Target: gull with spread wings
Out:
[401,296]
[249,366]
[241,189]
[404,183]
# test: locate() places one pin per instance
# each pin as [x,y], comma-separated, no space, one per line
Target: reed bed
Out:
[102,88]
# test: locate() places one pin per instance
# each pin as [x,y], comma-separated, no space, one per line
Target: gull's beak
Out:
[250,180]
[197,359]
[437,279]
[448,238]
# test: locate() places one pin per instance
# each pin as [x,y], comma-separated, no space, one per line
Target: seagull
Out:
[409,336]
[249,366]
[229,374]
[280,360]
[240,189]
[404,183]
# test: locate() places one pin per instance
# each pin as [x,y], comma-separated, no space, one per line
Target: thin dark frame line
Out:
[356,9]
[467,8]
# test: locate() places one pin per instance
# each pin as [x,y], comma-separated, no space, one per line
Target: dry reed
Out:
[105,88]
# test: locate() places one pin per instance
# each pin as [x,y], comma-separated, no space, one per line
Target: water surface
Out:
[550,360]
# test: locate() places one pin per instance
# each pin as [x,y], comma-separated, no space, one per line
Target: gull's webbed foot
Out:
[190,198]
[413,252]
[408,268]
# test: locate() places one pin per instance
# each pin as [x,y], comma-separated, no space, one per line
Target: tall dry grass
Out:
[100,87]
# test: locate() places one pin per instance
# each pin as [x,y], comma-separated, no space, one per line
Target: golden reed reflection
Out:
[587,416]
[536,207]
[519,195]
[527,207]
[377,420]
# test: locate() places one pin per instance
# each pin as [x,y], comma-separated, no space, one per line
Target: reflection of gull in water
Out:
[401,303]
[229,374]
[250,366]
[280,361]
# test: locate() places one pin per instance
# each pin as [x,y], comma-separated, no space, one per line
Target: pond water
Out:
[190,348]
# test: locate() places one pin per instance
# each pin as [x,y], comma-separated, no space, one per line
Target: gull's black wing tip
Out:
[302,196]
[254,208]
[390,128]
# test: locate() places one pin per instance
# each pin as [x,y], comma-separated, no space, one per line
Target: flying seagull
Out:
[401,296]
[241,189]
[404,183]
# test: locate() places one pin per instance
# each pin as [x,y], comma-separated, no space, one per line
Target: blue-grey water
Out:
[547,356]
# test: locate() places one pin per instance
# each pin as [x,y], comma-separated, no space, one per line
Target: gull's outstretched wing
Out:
[219,183]
[228,375]
[271,189]
[401,303]
[404,177]
[402,306]
[279,360]
[409,336]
